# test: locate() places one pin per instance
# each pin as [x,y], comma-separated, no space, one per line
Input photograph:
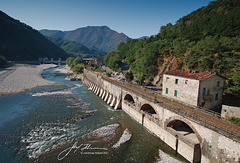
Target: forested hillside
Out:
[75,49]
[19,41]
[205,40]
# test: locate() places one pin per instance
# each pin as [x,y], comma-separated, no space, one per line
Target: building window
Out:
[218,83]
[186,81]
[204,92]
[166,90]
[167,78]
[176,81]
[175,93]
[216,96]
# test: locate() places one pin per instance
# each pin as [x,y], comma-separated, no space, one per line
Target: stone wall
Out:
[183,148]
[214,147]
[229,111]
[109,92]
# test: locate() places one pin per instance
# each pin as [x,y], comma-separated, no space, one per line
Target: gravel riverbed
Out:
[22,77]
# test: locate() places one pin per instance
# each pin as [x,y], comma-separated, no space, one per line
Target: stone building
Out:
[194,88]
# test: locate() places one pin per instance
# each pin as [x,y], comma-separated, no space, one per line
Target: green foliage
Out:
[155,99]
[234,83]
[140,56]
[99,69]
[76,49]
[3,61]
[129,76]
[76,61]
[69,61]
[234,120]
[218,18]
[75,64]
[96,68]
[113,60]
[78,68]
[205,40]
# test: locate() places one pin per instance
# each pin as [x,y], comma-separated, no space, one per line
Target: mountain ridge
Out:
[101,37]
[76,49]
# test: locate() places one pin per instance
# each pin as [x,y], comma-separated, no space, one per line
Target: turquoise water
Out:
[33,121]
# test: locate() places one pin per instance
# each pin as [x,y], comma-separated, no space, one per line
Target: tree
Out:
[69,61]
[113,60]
[205,40]
[129,76]
[76,61]
[78,68]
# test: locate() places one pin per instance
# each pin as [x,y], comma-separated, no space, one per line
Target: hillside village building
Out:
[194,88]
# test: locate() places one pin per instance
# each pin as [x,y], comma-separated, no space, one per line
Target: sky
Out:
[135,18]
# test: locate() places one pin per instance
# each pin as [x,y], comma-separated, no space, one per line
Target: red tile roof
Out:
[191,75]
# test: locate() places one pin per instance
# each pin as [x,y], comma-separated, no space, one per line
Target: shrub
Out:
[155,99]
[78,68]
[69,61]
[129,76]
[234,120]
[76,61]
[99,69]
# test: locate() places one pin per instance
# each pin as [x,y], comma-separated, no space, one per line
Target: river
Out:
[54,117]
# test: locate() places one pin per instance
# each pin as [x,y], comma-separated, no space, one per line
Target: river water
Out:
[55,116]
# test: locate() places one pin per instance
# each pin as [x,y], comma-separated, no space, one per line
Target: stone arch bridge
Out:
[195,134]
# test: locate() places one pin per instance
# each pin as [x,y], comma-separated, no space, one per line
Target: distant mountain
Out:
[19,41]
[143,37]
[76,49]
[52,33]
[101,37]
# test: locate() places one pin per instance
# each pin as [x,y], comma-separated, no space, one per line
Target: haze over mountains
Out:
[99,37]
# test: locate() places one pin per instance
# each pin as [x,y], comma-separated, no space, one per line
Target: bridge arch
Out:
[177,119]
[129,98]
[184,127]
[148,108]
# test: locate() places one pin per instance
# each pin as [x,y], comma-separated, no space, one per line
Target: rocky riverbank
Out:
[66,70]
